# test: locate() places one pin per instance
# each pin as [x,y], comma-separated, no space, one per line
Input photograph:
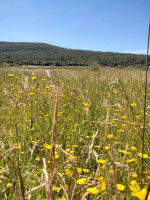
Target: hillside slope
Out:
[44,54]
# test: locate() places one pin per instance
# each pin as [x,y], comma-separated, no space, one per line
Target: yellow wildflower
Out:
[72,158]
[19,92]
[110,136]
[133,105]
[47,146]
[134,175]
[56,189]
[67,150]
[101,161]
[107,147]
[10,75]
[9,185]
[79,170]
[124,117]
[101,183]
[133,148]
[120,131]
[131,160]
[97,146]
[81,181]
[86,170]
[93,191]
[110,171]
[31,93]
[133,123]
[33,78]
[143,155]
[17,147]
[120,187]
[137,192]
[68,172]
[56,155]
[74,146]
[124,152]
[37,159]
[137,117]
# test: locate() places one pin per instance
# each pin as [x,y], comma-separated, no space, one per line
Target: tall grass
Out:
[145,103]
[96,150]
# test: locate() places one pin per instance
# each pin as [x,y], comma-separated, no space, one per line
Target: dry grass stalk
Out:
[21,184]
[53,145]
[46,180]
[35,188]
[122,165]
[106,128]
[108,184]
[72,196]
[90,147]
[65,192]
[111,156]
[85,195]
[63,167]
[32,149]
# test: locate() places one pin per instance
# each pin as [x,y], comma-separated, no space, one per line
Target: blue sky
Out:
[101,25]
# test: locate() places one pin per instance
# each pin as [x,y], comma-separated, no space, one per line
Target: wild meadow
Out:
[74,134]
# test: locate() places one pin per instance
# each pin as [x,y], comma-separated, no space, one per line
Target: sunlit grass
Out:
[99,138]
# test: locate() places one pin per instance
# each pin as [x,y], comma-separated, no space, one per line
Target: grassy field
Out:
[71,134]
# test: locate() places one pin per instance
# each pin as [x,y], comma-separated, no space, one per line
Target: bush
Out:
[94,66]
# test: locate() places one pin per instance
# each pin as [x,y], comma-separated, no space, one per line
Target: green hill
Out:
[25,53]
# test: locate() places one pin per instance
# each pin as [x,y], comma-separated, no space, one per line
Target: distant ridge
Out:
[27,53]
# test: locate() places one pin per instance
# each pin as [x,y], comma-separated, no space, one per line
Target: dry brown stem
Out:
[53,145]
[106,128]
[90,147]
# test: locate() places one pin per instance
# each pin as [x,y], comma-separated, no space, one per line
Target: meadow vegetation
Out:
[70,134]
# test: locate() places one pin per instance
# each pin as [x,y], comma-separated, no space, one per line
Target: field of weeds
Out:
[70,134]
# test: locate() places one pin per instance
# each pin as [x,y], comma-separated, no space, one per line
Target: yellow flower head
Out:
[143,155]
[120,187]
[37,159]
[47,146]
[93,191]
[133,148]
[34,78]
[79,170]
[101,161]
[81,181]
[133,105]
[86,170]
[9,185]
[72,158]
[137,192]
[124,152]
[10,75]
[110,136]
[68,172]
[107,147]
[74,146]
[134,175]
[31,93]
[131,160]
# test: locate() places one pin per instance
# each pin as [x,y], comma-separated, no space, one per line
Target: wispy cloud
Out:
[137,51]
